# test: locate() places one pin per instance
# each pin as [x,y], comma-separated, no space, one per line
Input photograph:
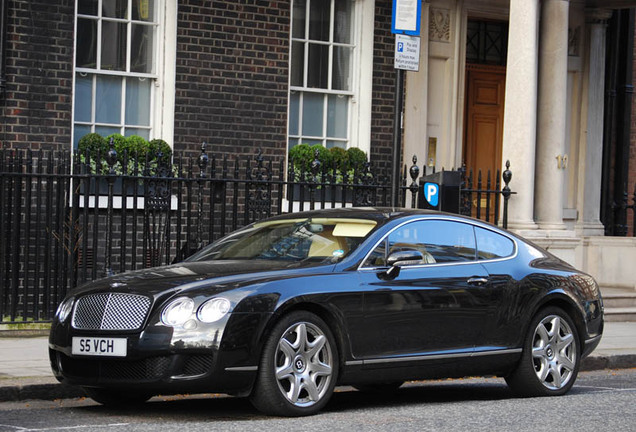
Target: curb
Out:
[53,390]
[599,362]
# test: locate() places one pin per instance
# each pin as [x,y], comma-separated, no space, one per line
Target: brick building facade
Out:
[37,99]
[226,75]
[231,84]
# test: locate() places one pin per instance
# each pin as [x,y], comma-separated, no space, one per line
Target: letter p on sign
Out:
[431,193]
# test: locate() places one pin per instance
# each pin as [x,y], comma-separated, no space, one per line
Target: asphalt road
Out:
[600,401]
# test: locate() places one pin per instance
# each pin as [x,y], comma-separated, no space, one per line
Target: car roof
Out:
[379,214]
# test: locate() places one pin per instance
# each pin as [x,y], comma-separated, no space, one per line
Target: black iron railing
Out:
[63,222]
[619,223]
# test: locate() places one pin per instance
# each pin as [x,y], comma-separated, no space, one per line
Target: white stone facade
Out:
[553,118]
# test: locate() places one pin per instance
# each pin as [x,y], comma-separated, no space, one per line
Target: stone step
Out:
[622,314]
[619,300]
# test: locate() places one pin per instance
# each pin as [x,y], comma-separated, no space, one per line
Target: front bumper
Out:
[217,358]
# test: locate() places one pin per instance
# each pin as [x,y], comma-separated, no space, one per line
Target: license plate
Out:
[98,346]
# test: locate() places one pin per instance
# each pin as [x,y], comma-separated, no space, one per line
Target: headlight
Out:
[178,311]
[64,309]
[213,310]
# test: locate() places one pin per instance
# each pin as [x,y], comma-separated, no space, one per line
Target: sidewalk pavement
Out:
[25,372]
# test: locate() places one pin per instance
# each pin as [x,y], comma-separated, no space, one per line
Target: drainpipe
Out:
[4,7]
[625,91]
[619,92]
[609,123]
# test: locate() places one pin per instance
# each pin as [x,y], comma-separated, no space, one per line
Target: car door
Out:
[496,251]
[431,307]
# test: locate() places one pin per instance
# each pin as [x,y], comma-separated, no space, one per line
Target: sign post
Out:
[405,24]
[407,52]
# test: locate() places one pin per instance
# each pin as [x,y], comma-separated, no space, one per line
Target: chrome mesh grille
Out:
[110,311]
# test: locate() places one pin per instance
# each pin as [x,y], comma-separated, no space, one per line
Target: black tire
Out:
[116,398]
[298,369]
[386,387]
[551,356]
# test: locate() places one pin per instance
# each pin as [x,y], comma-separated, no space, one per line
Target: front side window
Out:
[321,72]
[439,241]
[115,66]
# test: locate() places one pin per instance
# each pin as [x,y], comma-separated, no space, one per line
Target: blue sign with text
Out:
[406,17]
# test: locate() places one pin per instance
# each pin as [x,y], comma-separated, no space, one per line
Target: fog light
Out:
[190,325]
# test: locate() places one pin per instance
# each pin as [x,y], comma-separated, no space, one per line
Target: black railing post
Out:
[203,163]
[316,166]
[507,176]
[224,175]
[402,190]
[497,198]
[414,172]
[620,228]
[488,195]
[111,159]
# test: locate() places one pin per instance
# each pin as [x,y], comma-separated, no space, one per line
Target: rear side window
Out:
[491,245]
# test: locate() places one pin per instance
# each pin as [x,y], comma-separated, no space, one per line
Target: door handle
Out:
[478,281]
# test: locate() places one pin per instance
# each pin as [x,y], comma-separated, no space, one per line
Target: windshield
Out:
[316,239]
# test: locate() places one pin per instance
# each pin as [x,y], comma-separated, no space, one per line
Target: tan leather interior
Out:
[325,244]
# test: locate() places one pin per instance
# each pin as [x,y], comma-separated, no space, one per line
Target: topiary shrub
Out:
[323,155]
[93,143]
[356,158]
[338,158]
[157,146]
[120,143]
[345,161]
[133,153]
[301,156]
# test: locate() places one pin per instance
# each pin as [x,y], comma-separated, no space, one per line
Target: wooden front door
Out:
[485,87]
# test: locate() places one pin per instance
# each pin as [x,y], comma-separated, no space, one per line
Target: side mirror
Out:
[401,257]
[398,259]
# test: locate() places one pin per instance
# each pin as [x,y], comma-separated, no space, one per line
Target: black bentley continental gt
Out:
[287,308]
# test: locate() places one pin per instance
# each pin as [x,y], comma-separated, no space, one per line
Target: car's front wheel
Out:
[298,368]
[551,356]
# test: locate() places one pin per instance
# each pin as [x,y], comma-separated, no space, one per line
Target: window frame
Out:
[358,132]
[163,74]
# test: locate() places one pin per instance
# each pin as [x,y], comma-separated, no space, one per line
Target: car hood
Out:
[215,276]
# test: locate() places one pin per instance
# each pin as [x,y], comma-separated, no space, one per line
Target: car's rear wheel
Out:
[298,368]
[116,398]
[551,356]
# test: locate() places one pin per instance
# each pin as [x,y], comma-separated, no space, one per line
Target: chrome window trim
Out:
[448,219]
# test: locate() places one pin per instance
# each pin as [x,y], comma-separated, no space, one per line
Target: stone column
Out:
[520,111]
[553,68]
[589,221]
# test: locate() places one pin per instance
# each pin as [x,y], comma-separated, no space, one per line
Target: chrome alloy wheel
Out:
[554,352]
[304,364]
